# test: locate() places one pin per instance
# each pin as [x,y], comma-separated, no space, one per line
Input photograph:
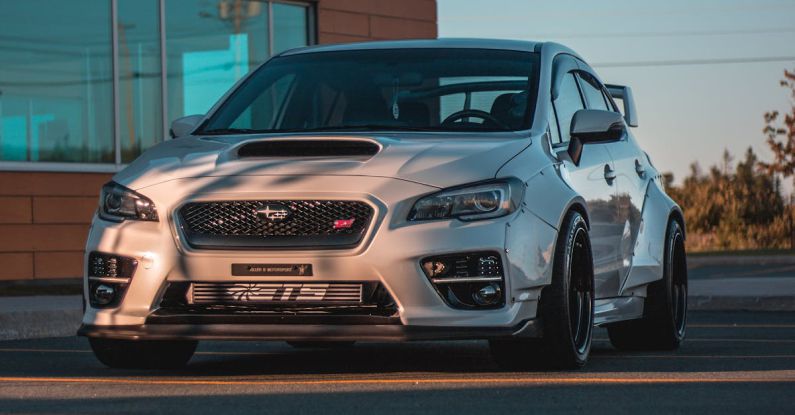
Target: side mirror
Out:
[593,126]
[185,125]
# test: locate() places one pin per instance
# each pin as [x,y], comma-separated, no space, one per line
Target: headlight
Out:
[118,203]
[480,201]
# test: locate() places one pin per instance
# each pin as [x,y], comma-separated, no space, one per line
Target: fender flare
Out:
[679,216]
[559,198]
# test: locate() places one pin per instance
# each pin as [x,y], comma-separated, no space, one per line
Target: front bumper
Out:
[389,254]
[306,332]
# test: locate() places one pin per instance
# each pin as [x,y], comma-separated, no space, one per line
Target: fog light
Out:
[467,280]
[489,266]
[488,295]
[109,276]
[110,266]
[434,268]
[103,294]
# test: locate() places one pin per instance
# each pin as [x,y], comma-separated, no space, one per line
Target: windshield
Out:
[391,89]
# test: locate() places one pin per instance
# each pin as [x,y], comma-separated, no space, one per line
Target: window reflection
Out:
[56,90]
[211,44]
[140,100]
[57,75]
[290,23]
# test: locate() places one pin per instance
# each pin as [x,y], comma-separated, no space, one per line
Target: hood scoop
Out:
[298,148]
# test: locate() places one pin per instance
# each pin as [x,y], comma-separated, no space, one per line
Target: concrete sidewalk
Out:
[56,316]
[40,316]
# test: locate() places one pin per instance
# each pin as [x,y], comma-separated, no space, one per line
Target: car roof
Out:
[502,44]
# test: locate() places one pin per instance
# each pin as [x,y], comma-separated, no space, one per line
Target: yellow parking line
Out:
[734,378]
[593,356]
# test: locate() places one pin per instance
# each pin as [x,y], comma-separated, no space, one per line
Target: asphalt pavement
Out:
[732,362]
[724,271]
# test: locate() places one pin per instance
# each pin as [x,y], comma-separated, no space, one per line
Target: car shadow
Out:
[707,349]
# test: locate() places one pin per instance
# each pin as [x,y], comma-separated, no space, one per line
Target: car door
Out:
[593,179]
[631,178]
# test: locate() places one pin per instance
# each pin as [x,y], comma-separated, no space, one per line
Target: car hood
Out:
[435,160]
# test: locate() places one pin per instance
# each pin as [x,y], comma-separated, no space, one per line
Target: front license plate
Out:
[272,270]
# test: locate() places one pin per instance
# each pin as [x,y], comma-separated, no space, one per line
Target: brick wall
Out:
[361,20]
[44,220]
[44,217]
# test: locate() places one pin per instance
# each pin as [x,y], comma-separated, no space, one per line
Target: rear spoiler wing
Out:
[624,93]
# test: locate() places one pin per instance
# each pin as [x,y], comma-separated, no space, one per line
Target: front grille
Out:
[275,223]
[270,293]
[213,303]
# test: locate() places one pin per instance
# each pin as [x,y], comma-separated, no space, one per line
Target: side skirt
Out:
[611,310]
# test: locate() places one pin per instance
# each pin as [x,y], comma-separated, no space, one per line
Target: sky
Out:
[723,60]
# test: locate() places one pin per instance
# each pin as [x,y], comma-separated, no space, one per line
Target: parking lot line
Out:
[784,376]
[595,356]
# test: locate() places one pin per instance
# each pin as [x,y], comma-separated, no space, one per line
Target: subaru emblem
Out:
[274,212]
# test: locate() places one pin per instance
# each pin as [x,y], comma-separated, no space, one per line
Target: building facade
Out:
[87,85]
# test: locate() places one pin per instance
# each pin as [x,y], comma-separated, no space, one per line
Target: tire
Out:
[566,309]
[142,354]
[664,322]
[321,344]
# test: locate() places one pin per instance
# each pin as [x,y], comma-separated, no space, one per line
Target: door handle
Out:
[639,169]
[610,174]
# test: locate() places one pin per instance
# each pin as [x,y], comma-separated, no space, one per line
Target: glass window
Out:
[210,45]
[478,100]
[386,89]
[592,92]
[609,101]
[290,27]
[56,89]
[264,112]
[57,82]
[568,102]
[140,100]
[620,104]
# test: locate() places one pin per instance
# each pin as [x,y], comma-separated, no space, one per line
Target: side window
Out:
[607,97]
[593,93]
[568,102]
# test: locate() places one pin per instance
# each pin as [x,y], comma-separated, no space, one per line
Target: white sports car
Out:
[391,191]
